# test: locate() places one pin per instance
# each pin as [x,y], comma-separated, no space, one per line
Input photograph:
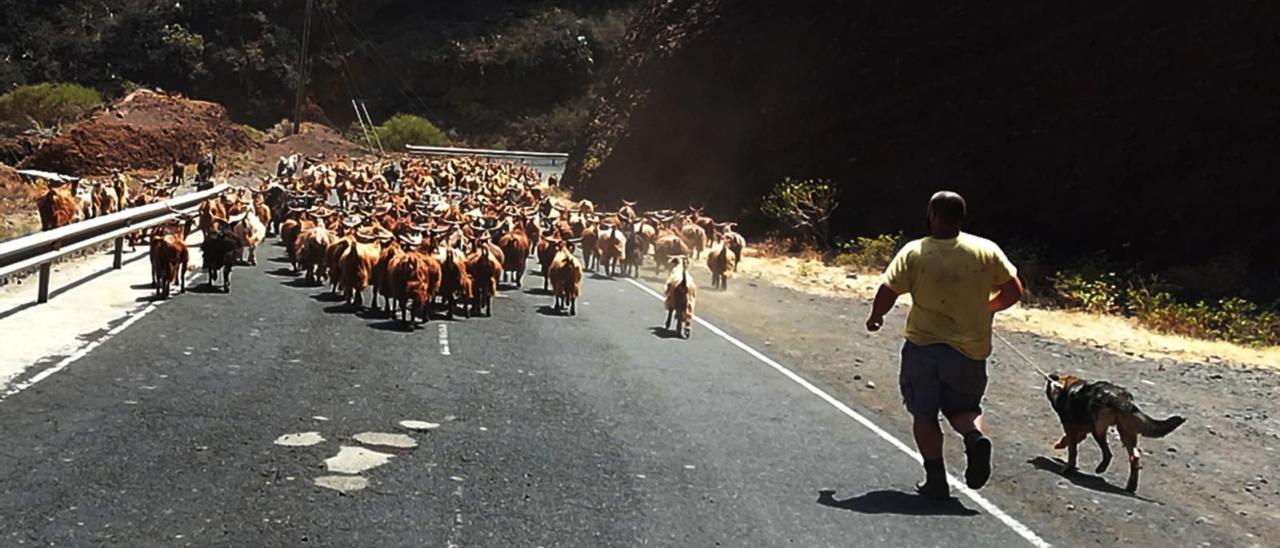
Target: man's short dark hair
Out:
[948,206]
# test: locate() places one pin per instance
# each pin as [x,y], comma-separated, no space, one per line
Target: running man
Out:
[951,277]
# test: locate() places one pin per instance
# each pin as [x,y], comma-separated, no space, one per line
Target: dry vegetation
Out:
[781,262]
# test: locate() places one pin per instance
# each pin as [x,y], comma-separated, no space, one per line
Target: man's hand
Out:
[874,323]
[882,304]
[1007,295]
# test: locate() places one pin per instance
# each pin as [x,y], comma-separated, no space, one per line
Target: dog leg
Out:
[1100,436]
[1070,468]
[1130,440]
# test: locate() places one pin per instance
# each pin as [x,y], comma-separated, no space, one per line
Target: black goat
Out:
[220,251]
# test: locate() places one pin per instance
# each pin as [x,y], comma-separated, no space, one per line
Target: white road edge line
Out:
[15,389]
[86,349]
[444,340]
[1017,526]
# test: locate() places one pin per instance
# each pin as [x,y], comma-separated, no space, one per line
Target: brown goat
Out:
[485,270]
[681,293]
[566,278]
[415,279]
[169,258]
[59,206]
[721,261]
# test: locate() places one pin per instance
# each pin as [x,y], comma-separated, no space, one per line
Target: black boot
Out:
[935,481]
[977,451]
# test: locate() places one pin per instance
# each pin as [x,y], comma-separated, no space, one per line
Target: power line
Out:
[378,57]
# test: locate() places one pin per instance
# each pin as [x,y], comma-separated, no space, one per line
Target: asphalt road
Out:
[596,430]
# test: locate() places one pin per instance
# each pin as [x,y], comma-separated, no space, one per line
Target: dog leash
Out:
[1028,360]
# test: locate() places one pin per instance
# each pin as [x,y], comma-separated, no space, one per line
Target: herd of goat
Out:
[420,234]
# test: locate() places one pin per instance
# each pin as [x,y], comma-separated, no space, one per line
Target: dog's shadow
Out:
[1084,480]
[888,501]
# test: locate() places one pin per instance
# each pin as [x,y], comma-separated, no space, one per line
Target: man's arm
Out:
[883,303]
[1007,295]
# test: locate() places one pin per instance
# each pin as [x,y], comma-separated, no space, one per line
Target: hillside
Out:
[1085,130]
[492,71]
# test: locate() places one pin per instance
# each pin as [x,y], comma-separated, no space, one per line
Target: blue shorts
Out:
[938,378]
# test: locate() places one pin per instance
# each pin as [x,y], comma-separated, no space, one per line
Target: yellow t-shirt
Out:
[950,282]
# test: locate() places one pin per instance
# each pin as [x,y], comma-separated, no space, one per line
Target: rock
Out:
[871,385]
[857,377]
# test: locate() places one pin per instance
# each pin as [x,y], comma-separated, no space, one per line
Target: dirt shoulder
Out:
[1193,491]
[1119,335]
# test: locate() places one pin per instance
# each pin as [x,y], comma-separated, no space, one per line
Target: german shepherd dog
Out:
[1091,408]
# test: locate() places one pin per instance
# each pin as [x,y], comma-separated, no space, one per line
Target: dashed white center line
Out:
[444,340]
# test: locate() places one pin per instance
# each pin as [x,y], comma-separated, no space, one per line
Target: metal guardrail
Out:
[41,249]
[553,157]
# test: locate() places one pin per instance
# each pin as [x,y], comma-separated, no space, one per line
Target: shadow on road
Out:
[281,260]
[203,288]
[548,310]
[1081,479]
[396,326]
[327,297]
[300,282]
[887,501]
[342,308]
[663,333]
[539,292]
[282,271]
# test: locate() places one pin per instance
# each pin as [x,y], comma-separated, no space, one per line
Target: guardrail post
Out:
[46,270]
[118,262]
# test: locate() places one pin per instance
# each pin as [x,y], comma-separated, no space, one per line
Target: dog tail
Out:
[1153,428]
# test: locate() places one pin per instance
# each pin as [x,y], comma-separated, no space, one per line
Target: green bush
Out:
[253,132]
[804,205]
[46,104]
[1233,319]
[1097,294]
[553,131]
[407,129]
[873,254]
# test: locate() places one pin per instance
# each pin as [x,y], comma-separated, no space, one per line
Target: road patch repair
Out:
[346,466]
[399,441]
[301,439]
[354,460]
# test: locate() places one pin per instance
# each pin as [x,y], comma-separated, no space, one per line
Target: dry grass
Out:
[1116,334]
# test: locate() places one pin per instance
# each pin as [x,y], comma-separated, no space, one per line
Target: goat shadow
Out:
[300,282]
[889,501]
[1088,481]
[204,288]
[539,291]
[393,325]
[283,271]
[664,333]
[549,310]
[327,297]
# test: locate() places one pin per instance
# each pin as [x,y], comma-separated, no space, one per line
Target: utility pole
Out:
[302,68]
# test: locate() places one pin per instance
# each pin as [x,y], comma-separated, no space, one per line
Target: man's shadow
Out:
[887,501]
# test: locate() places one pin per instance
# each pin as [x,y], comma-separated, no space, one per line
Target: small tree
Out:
[804,205]
[407,129]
